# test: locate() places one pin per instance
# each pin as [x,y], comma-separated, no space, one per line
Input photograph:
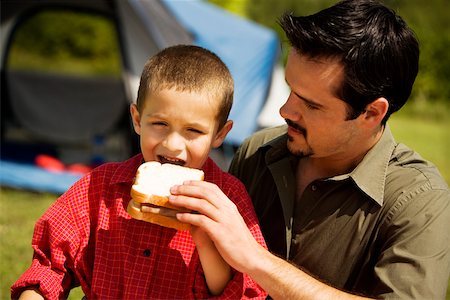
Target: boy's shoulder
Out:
[227,182]
[119,171]
[214,174]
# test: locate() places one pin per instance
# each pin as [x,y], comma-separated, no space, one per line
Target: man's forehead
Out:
[328,72]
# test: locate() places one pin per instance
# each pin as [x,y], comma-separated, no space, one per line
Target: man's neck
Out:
[314,168]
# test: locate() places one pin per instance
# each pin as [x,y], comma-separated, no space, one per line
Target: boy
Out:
[87,238]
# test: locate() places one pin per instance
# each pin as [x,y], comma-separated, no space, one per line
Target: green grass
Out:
[19,210]
[430,138]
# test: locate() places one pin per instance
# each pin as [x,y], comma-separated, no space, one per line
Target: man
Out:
[352,211]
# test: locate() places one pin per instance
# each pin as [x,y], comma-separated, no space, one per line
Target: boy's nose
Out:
[174,142]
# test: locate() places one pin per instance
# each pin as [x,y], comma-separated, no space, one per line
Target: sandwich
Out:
[151,188]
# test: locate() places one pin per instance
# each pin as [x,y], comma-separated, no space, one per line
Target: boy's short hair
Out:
[188,68]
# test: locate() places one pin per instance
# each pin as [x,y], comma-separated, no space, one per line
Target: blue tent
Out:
[145,26]
[249,50]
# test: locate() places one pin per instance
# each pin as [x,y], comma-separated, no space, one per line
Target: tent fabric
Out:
[70,110]
[249,50]
[279,92]
[27,176]
[145,27]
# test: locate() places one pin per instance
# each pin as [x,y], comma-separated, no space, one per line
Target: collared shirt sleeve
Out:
[414,260]
[61,256]
[56,240]
[241,286]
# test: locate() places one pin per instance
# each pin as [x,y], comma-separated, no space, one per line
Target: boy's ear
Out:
[376,111]
[136,118]
[221,134]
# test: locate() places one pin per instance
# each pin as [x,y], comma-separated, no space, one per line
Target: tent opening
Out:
[62,96]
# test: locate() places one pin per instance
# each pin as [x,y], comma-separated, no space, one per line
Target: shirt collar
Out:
[276,148]
[369,175]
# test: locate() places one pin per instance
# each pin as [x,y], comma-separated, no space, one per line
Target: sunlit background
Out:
[55,54]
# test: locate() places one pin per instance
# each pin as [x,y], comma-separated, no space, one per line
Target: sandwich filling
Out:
[160,210]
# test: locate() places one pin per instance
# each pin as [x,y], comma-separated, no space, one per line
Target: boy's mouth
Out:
[171,160]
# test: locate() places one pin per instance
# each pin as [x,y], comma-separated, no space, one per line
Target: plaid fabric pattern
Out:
[87,238]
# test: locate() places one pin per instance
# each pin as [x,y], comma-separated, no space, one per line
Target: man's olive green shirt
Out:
[382,230]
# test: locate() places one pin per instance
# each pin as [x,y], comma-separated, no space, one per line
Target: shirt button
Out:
[314,187]
[147,252]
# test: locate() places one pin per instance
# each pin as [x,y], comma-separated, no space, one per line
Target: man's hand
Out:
[219,218]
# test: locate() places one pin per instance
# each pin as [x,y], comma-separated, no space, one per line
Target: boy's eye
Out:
[195,130]
[159,123]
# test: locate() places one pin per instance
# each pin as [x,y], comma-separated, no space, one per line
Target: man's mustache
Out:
[296,126]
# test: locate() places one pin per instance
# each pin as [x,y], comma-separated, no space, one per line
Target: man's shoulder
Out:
[413,182]
[263,137]
[414,169]
[248,158]
[267,134]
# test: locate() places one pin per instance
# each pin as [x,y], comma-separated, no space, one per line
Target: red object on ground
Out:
[49,163]
[78,169]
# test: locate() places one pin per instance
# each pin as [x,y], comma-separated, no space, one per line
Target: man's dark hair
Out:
[379,52]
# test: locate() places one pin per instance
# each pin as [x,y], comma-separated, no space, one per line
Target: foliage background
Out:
[92,48]
[66,41]
[430,20]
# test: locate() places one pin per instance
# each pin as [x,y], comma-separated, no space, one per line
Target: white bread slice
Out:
[152,185]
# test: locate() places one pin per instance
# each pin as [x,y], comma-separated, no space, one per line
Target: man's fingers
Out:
[201,190]
[201,206]
[198,220]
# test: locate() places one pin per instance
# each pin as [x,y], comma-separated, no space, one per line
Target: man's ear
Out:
[136,118]
[376,111]
[221,134]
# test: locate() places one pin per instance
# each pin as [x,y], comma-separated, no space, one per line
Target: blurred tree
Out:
[235,6]
[267,12]
[66,41]
[90,40]
[431,23]
[430,20]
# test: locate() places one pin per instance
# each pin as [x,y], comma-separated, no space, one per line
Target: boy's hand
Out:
[200,237]
[219,218]
[31,294]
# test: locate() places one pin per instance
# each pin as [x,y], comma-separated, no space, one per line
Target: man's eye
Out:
[310,106]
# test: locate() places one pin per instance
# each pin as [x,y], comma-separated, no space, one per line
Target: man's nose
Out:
[290,109]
